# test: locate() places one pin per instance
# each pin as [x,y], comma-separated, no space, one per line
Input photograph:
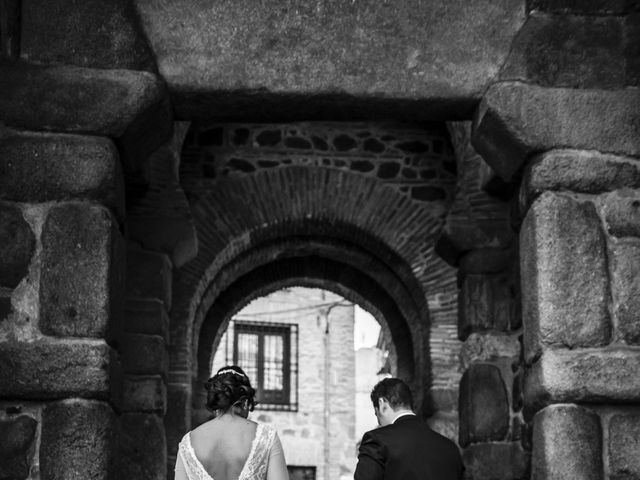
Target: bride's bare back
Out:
[231,448]
[223,445]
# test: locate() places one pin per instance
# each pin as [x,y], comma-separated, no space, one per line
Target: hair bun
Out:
[227,388]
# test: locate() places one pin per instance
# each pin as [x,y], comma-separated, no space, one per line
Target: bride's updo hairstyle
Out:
[229,388]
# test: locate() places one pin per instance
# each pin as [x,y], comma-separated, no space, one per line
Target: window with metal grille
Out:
[268,353]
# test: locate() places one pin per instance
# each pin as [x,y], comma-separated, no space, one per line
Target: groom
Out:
[404,447]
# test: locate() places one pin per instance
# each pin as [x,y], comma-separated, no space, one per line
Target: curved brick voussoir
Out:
[567,443]
[114,103]
[603,375]
[564,277]
[515,120]
[40,167]
[57,369]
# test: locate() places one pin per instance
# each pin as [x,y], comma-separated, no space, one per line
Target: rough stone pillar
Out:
[580,244]
[479,240]
[491,425]
[61,283]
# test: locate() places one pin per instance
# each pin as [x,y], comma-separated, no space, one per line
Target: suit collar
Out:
[403,417]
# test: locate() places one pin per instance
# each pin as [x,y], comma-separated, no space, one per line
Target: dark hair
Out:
[229,387]
[395,391]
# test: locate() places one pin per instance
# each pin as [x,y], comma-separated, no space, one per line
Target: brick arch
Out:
[311,271]
[245,211]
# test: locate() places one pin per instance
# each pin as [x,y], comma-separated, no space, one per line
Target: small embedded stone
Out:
[5,308]
[363,166]
[483,347]
[319,143]
[17,244]
[269,138]
[344,143]
[241,165]
[16,446]
[388,170]
[373,145]
[483,405]
[297,143]
[409,173]
[413,147]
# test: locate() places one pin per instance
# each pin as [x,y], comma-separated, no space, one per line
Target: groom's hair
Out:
[395,391]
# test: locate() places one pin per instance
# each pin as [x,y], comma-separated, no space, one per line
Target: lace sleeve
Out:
[277,469]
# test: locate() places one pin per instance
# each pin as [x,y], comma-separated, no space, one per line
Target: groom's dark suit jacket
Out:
[407,450]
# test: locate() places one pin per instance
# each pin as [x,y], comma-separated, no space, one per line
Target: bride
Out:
[230,447]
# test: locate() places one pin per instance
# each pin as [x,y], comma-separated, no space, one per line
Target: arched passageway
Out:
[353,208]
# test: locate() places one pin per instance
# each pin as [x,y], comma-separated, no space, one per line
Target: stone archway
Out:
[365,199]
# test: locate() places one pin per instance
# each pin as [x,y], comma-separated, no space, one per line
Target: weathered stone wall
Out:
[61,290]
[580,248]
[81,112]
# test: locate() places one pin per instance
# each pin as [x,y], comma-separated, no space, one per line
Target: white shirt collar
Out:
[403,414]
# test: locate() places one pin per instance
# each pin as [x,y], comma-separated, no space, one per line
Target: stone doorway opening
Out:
[313,356]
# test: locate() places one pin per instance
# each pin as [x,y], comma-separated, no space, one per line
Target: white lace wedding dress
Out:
[255,467]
